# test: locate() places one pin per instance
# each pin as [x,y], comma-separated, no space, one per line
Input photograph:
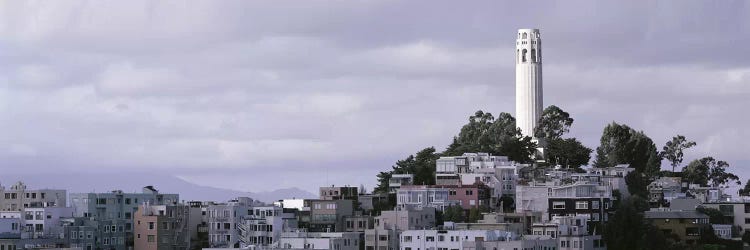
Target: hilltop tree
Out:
[746,190]
[568,153]
[708,170]
[553,123]
[498,136]
[673,150]
[621,144]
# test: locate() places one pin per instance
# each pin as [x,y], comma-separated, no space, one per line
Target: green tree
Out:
[498,136]
[553,123]
[454,214]
[621,144]
[708,170]
[627,227]
[673,150]
[568,153]
[637,184]
[474,215]
[383,179]
[746,190]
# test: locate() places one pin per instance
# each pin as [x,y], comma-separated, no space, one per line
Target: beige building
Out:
[166,226]
[18,197]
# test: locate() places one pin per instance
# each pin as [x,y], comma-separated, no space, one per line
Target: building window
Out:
[558,205]
[150,226]
[582,205]
[595,204]
[151,238]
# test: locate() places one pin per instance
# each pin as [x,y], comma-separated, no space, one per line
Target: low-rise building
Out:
[339,193]
[470,240]
[320,240]
[391,223]
[688,226]
[264,225]
[166,226]
[328,215]
[424,196]
[44,222]
[398,180]
[571,232]
[223,219]
[18,197]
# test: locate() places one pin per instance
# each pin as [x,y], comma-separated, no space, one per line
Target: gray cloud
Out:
[333,92]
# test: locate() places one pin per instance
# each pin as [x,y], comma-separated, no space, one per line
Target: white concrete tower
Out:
[528,80]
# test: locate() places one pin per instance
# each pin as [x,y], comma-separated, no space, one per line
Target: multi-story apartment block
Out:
[114,212]
[469,240]
[588,199]
[223,219]
[687,225]
[736,212]
[327,215]
[398,180]
[663,190]
[497,172]
[166,226]
[339,193]
[44,222]
[424,196]
[571,232]
[358,223]
[263,225]
[368,202]
[391,223]
[320,240]
[79,232]
[18,197]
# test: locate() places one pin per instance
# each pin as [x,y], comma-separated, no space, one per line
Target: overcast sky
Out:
[257,95]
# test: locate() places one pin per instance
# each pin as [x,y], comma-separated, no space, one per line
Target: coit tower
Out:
[528,80]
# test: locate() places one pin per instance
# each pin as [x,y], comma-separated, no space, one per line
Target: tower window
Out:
[533,55]
[524,35]
[523,55]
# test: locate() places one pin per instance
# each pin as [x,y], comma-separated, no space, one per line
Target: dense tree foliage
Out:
[621,144]
[421,165]
[454,214]
[673,150]
[553,123]
[627,227]
[498,136]
[568,153]
[637,184]
[708,171]
[746,190]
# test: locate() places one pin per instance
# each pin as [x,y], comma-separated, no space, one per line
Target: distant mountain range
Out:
[83,183]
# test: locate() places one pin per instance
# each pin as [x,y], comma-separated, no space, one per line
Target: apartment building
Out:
[358,223]
[398,180]
[469,240]
[581,198]
[166,226]
[263,225]
[44,222]
[223,219]
[327,215]
[18,197]
[736,212]
[320,240]
[687,225]
[388,226]
[339,193]
[79,232]
[424,196]
[571,232]
[114,212]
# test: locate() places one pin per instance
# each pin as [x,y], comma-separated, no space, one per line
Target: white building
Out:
[528,80]
[18,197]
[497,172]
[470,240]
[223,219]
[323,241]
[424,196]
[264,225]
[571,232]
[44,222]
